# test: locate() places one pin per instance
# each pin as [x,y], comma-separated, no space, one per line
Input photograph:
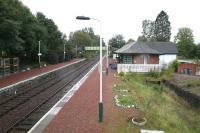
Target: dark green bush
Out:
[192,83]
[153,74]
[52,57]
[121,74]
[174,65]
[158,88]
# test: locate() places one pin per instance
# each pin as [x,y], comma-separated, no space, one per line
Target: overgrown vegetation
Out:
[163,109]
[153,74]
[192,83]
[126,100]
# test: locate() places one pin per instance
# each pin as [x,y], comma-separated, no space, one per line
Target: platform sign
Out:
[94,48]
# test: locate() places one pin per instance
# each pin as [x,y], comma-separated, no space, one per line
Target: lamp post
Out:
[39,54]
[100,65]
[64,53]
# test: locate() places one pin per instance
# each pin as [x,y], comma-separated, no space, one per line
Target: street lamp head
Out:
[82,18]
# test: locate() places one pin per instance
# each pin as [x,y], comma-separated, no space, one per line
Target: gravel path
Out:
[31,73]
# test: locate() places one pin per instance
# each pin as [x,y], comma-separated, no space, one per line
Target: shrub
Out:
[60,57]
[158,88]
[121,74]
[52,57]
[192,83]
[43,63]
[153,74]
[174,65]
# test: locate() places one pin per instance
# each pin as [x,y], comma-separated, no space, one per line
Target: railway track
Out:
[19,112]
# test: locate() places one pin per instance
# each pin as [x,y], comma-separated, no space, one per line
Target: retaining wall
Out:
[190,97]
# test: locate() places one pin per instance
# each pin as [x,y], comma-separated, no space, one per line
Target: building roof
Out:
[186,61]
[149,48]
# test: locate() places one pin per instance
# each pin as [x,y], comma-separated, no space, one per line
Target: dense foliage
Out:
[186,45]
[21,31]
[148,29]
[81,38]
[116,42]
[162,27]
[158,30]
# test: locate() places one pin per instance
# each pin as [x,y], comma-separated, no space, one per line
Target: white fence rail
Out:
[138,67]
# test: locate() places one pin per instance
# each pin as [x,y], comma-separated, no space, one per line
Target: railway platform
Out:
[79,113]
[31,74]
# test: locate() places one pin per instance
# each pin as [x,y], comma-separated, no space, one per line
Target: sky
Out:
[118,16]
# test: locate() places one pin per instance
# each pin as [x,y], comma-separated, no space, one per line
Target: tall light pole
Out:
[76,50]
[64,52]
[100,65]
[39,54]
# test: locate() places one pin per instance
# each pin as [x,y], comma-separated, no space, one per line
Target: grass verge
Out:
[163,109]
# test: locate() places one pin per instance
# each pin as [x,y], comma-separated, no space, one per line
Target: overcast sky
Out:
[119,16]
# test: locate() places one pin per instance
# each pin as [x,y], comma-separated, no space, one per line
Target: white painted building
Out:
[166,59]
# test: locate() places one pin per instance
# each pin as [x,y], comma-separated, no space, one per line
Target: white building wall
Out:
[115,56]
[165,60]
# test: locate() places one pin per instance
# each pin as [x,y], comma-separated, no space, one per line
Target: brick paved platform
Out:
[12,79]
[80,113]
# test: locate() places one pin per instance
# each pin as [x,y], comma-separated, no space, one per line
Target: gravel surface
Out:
[31,73]
[180,79]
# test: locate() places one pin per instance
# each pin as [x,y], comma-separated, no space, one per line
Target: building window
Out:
[127,59]
[145,57]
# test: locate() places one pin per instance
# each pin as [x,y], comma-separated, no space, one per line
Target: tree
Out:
[78,40]
[162,27]
[142,39]
[185,42]
[117,41]
[82,39]
[198,51]
[20,32]
[130,41]
[55,39]
[10,41]
[148,29]
[94,38]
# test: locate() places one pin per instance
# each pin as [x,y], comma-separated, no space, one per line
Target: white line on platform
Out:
[64,99]
[10,86]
